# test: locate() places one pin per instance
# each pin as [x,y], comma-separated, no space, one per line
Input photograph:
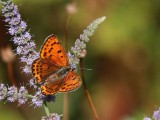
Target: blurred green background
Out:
[124,54]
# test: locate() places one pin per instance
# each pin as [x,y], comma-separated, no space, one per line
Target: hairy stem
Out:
[46,108]
[87,92]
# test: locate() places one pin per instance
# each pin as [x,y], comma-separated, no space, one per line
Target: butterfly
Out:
[52,70]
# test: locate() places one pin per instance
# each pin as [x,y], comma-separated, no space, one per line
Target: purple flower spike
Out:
[22,95]
[147,118]
[156,114]
[21,37]
[80,44]
[3,91]
[38,99]
[32,83]
[53,116]
[12,94]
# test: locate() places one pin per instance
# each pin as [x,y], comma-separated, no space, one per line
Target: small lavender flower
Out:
[38,99]
[73,60]
[12,94]
[147,118]
[22,95]
[3,91]
[53,116]
[27,69]
[156,114]
[32,83]
[80,43]
[21,37]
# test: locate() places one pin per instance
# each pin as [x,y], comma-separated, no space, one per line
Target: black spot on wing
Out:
[59,51]
[45,54]
[53,43]
[50,49]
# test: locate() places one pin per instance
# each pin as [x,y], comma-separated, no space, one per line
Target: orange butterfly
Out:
[52,70]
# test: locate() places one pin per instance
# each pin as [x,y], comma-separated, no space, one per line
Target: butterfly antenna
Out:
[85,69]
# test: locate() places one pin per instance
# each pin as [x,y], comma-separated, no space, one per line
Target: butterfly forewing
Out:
[53,50]
[42,69]
[71,82]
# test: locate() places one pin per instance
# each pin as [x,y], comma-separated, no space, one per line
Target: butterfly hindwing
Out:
[71,82]
[52,88]
[53,50]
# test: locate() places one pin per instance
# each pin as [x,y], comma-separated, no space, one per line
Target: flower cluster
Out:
[78,51]
[3,91]
[147,118]
[21,95]
[53,116]
[38,99]
[21,37]
[156,116]
[12,94]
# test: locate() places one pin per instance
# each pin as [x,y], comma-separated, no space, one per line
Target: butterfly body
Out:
[60,74]
[52,70]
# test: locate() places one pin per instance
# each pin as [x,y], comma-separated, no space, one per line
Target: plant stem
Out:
[11,73]
[66,95]
[30,96]
[87,92]
[66,107]
[46,108]
[3,0]
[66,22]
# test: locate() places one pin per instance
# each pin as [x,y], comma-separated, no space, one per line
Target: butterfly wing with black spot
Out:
[54,51]
[52,88]
[71,82]
[42,68]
